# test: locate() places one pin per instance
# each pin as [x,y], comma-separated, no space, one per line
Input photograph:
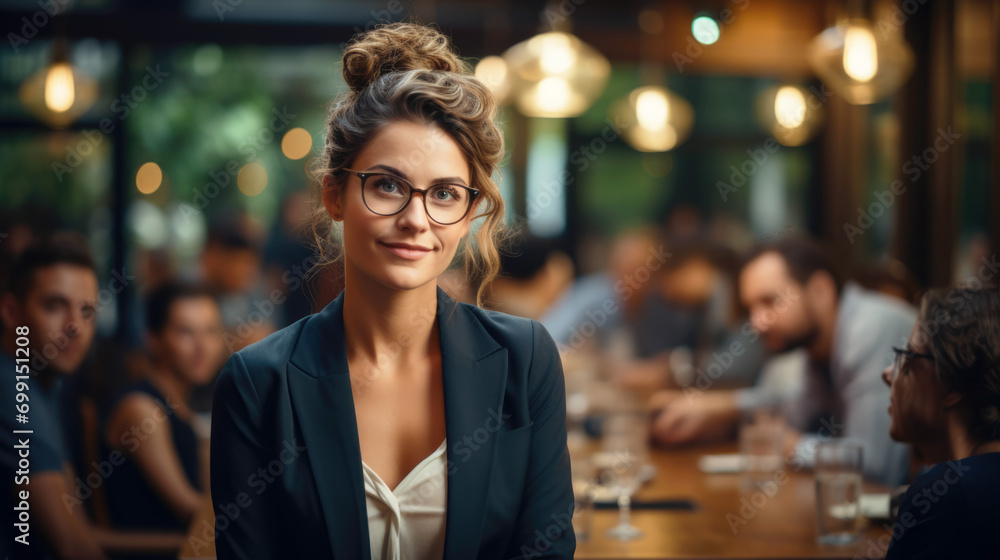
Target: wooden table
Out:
[779,526]
[731,520]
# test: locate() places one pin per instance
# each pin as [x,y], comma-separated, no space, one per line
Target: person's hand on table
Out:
[650,374]
[680,418]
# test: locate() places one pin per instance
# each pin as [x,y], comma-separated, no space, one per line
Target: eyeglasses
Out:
[904,354]
[386,194]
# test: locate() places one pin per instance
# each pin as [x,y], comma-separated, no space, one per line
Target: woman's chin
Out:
[403,280]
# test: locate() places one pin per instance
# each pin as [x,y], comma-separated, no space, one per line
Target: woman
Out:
[397,422]
[946,402]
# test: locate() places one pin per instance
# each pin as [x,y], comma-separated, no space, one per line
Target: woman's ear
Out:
[331,198]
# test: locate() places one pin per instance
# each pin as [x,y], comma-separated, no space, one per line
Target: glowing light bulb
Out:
[59,90]
[652,110]
[557,54]
[552,93]
[860,53]
[790,107]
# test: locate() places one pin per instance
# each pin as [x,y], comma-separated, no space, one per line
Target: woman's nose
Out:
[415,214]
[887,376]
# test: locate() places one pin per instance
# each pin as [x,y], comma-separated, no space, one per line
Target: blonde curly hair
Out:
[409,72]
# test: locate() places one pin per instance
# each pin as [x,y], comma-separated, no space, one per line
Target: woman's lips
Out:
[406,252]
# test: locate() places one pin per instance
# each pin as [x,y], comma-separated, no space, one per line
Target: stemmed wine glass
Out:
[625,444]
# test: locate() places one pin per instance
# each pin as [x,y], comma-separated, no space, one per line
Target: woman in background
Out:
[946,402]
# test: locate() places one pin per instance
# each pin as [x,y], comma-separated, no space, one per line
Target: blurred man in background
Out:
[52,302]
[796,299]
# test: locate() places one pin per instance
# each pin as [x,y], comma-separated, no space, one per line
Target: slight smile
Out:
[406,251]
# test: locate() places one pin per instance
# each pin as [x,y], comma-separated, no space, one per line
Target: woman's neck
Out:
[957,444]
[388,327]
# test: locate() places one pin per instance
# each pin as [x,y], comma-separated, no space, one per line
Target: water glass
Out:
[762,445]
[838,492]
[625,442]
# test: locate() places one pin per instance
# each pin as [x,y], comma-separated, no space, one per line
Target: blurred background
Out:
[175,136]
[165,118]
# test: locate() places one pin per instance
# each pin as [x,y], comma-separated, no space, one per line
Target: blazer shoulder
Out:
[503,326]
[267,358]
[512,331]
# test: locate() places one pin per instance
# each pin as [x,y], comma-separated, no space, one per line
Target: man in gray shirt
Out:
[796,300]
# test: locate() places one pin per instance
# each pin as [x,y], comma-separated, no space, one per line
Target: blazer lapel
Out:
[474,370]
[320,390]
[474,367]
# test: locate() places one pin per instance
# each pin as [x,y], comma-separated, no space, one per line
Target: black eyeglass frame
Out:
[903,354]
[364,175]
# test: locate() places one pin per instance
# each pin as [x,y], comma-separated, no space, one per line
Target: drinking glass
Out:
[762,445]
[838,491]
[625,445]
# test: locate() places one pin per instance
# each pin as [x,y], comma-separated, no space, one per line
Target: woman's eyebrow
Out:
[394,171]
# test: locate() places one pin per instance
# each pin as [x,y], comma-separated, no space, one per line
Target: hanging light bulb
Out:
[654,118]
[555,74]
[858,64]
[59,90]
[786,112]
[789,107]
[58,94]
[860,53]
[652,109]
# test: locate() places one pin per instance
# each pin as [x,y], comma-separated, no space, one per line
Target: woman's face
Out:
[406,250]
[917,403]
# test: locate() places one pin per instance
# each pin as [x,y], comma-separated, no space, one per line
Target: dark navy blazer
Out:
[286,475]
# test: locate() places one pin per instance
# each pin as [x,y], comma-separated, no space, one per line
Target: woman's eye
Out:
[387,186]
[446,194]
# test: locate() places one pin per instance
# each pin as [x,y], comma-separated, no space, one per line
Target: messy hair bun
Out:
[397,48]
[409,72]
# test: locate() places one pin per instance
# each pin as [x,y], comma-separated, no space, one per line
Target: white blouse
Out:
[409,522]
